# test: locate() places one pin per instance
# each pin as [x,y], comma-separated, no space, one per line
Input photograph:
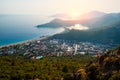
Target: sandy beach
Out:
[23,42]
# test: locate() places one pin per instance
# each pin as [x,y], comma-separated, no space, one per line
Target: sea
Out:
[19,28]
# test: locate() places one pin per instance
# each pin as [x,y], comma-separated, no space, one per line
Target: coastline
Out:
[31,40]
[26,41]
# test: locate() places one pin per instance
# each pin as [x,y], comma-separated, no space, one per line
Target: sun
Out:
[74,15]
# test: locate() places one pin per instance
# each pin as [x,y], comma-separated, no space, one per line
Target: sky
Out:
[50,7]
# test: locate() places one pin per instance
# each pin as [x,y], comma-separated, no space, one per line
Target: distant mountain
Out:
[103,21]
[92,19]
[103,28]
[65,23]
[91,15]
[54,24]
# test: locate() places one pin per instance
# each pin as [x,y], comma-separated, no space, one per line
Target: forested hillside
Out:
[14,67]
[107,35]
[104,67]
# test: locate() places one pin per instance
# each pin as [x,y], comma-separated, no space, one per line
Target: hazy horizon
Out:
[48,7]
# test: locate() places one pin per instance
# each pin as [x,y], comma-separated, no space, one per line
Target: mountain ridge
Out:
[92,14]
[96,21]
[104,29]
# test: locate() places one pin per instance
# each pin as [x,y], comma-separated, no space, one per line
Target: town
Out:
[37,49]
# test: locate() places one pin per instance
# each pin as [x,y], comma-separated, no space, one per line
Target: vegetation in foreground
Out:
[13,67]
[104,67]
[79,67]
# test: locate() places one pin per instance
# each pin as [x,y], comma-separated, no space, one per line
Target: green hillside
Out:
[106,35]
[50,68]
[104,67]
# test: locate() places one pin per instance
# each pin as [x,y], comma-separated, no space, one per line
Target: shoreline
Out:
[31,40]
[23,42]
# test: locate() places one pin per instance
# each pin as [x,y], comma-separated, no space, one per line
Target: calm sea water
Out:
[17,28]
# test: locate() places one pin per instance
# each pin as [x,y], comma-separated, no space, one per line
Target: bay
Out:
[18,28]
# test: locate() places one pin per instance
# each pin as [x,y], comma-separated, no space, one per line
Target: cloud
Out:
[78,27]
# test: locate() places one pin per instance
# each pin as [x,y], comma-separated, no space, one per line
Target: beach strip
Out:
[23,42]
